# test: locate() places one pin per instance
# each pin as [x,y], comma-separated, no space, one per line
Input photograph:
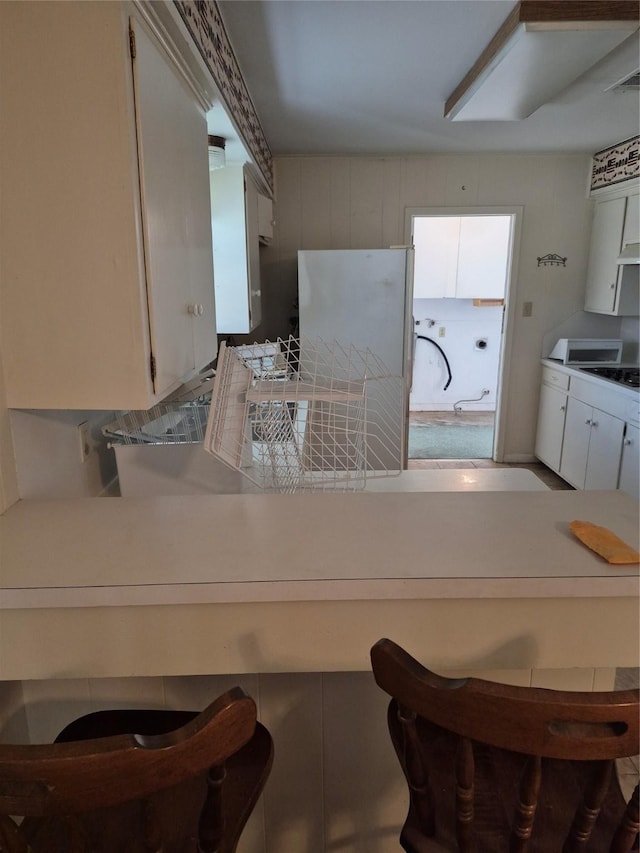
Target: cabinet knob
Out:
[594,423]
[612,286]
[588,421]
[628,441]
[563,408]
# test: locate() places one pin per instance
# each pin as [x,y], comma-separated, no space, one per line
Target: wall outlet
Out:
[527,309]
[442,331]
[84,440]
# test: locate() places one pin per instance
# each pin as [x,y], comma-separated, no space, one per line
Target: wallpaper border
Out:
[204,22]
[616,164]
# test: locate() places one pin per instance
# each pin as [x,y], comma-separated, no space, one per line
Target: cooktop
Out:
[629,376]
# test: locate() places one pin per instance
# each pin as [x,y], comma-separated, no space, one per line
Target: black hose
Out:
[441,351]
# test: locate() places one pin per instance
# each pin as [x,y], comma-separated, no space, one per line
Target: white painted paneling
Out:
[13,718]
[340,220]
[365,794]
[392,204]
[8,477]
[288,234]
[414,179]
[366,186]
[51,705]
[47,452]
[462,180]
[291,708]
[375,191]
[316,229]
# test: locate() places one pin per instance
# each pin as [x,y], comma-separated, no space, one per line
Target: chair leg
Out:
[628,835]
[211,818]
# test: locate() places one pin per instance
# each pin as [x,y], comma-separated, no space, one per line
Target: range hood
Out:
[630,254]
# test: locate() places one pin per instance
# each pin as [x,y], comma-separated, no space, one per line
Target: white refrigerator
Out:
[364,298]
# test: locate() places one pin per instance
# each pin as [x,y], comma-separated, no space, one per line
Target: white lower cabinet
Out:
[630,464]
[550,432]
[592,447]
[587,430]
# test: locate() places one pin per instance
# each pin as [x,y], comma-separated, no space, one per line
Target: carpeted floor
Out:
[450,441]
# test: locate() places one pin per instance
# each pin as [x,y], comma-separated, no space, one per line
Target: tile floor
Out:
[547,476]
[628,768]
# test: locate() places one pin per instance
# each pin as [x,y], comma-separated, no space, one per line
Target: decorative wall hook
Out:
[552,260]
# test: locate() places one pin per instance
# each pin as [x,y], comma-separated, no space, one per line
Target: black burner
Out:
[629,376]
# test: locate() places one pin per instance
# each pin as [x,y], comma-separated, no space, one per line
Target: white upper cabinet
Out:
[462,257]
[235,223]
[265,219]
[107,291]
[176,212]
[436,240]
[631,233]
[612,288]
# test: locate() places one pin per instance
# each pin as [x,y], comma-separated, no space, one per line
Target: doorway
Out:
[463,267]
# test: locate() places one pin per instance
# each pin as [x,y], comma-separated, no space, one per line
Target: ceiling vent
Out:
[630,83]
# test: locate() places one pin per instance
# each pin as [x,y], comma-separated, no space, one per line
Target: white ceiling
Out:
[336,77]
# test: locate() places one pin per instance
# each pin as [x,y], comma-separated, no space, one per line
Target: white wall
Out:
[8,479]
[47,453]
[359,202]
[472,369]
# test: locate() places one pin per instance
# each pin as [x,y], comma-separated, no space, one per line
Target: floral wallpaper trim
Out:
[204,22]
[616,164]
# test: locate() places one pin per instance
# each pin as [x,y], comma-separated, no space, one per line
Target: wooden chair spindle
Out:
[629,829]
[464,795]
[527,805]
[212,817]
[503,767]
[589,808]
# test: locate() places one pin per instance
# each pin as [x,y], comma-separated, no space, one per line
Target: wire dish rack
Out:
[182,419]
[298,416]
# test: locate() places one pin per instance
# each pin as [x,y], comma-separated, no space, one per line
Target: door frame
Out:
[508,316]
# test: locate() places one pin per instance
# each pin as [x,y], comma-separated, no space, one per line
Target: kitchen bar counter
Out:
[255,583]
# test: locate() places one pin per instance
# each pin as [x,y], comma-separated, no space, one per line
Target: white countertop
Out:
[625,391]
[458,480]
[268,548]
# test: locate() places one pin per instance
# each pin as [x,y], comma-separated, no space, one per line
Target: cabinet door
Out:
[551,418]
[606,241]
[630,464]
[252,197]
[631,233]
[483,255]
[436,239]
[173,162]
[236,254]
[575,447]
[265,217]
[605,449]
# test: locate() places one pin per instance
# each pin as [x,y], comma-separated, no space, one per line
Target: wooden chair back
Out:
[178,781]
[493,767]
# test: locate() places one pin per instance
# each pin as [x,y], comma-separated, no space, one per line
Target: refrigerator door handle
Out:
[412,347]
